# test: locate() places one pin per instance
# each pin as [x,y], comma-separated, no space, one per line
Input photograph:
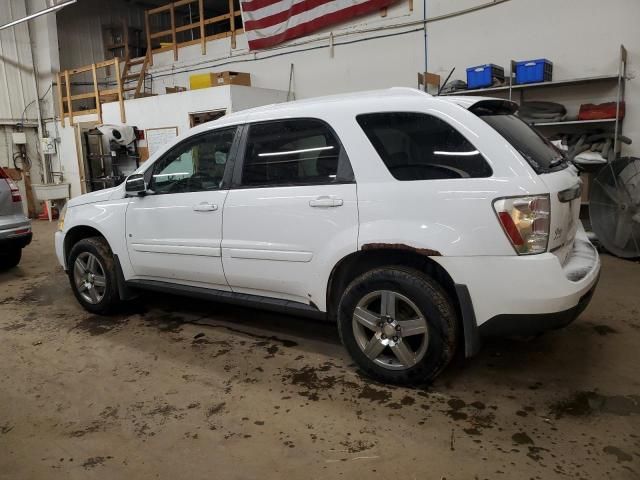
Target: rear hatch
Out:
[565,188]
[561,178]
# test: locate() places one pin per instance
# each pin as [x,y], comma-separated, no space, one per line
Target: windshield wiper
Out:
[556,162]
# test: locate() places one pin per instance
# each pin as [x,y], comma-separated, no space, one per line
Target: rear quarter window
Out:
[417,146]
[536,150]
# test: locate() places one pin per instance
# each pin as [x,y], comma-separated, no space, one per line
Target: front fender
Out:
[108,219]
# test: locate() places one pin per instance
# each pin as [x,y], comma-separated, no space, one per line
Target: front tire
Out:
[10,259]
[398,325]
[92,275]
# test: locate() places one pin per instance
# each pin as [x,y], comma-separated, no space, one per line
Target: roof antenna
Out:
[445,81]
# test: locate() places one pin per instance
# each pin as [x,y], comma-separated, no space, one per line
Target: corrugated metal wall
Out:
[16,68]
[80,29]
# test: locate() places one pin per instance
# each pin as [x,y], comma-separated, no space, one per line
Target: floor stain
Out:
[215,409]
[93,462]
[284,342]
[521,438]
[6,428]
[604,329]
[582,404]
[455,405]
[99,324]
[13,327]
[375,394]
[620,455]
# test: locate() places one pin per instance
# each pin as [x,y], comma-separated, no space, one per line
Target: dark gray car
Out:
[15,228]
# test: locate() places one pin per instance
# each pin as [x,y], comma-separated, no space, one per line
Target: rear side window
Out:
[537,150]
[294,152]
[417,146]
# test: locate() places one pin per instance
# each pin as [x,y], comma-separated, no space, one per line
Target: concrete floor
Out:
[183,389]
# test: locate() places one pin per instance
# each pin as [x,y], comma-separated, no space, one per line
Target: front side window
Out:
[293,152]
[416,146]
[197,164]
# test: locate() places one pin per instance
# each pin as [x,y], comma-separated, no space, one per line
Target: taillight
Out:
[525,220]
[15,192]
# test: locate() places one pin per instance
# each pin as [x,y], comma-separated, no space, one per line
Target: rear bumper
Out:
[17,236]
[533,324]
[522,295]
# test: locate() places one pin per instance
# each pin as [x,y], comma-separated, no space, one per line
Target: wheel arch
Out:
[77,233]
[80,232]
[373,256]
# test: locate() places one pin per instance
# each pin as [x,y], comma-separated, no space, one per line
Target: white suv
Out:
[419,224]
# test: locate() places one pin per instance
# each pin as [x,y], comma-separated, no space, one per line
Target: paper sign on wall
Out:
[159,137]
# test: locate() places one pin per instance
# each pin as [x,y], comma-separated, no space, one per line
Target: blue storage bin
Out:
[534,71]
[483,75]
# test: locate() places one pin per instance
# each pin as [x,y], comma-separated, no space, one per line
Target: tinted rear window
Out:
[537,150]
[417,146]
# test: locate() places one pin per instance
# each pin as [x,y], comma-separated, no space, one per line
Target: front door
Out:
[174,232]
[292,208]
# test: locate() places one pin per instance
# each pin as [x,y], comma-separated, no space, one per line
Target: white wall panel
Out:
[16,69]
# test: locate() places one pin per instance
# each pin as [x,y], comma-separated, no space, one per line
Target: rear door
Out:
[292,205]
[174,233]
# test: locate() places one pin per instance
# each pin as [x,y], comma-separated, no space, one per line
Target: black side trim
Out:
[472,340]
[124,291]
[534,324]
[242,299]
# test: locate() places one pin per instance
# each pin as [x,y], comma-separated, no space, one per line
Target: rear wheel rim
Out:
[89,277]
[390,330]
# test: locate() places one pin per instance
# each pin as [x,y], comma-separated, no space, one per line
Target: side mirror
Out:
[135,185]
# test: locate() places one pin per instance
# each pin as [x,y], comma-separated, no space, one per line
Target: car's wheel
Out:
[10,259]
[398,324]
[92,275]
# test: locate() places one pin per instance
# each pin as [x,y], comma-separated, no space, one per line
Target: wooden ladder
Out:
[128,75]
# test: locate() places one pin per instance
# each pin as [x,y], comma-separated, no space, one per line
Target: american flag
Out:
[270,22]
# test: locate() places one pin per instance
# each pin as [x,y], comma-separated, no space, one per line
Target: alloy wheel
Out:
[390,330]
[89,277]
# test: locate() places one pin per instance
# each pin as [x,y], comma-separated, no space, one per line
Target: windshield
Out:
[537,150]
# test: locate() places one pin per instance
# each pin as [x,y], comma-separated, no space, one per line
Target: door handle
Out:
[326,201]
[205,207]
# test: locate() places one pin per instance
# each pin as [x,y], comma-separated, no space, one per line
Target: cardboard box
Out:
[175,89]
[429,82]
[206,80]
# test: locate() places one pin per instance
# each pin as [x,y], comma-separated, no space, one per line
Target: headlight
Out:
[63,212]
[525,220]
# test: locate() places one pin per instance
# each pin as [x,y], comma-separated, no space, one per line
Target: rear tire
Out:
[92,275]
[10,259]
[405,327]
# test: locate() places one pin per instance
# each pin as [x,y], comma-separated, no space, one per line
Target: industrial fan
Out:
[614,207]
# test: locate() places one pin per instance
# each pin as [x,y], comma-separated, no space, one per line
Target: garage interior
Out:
[175,388]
